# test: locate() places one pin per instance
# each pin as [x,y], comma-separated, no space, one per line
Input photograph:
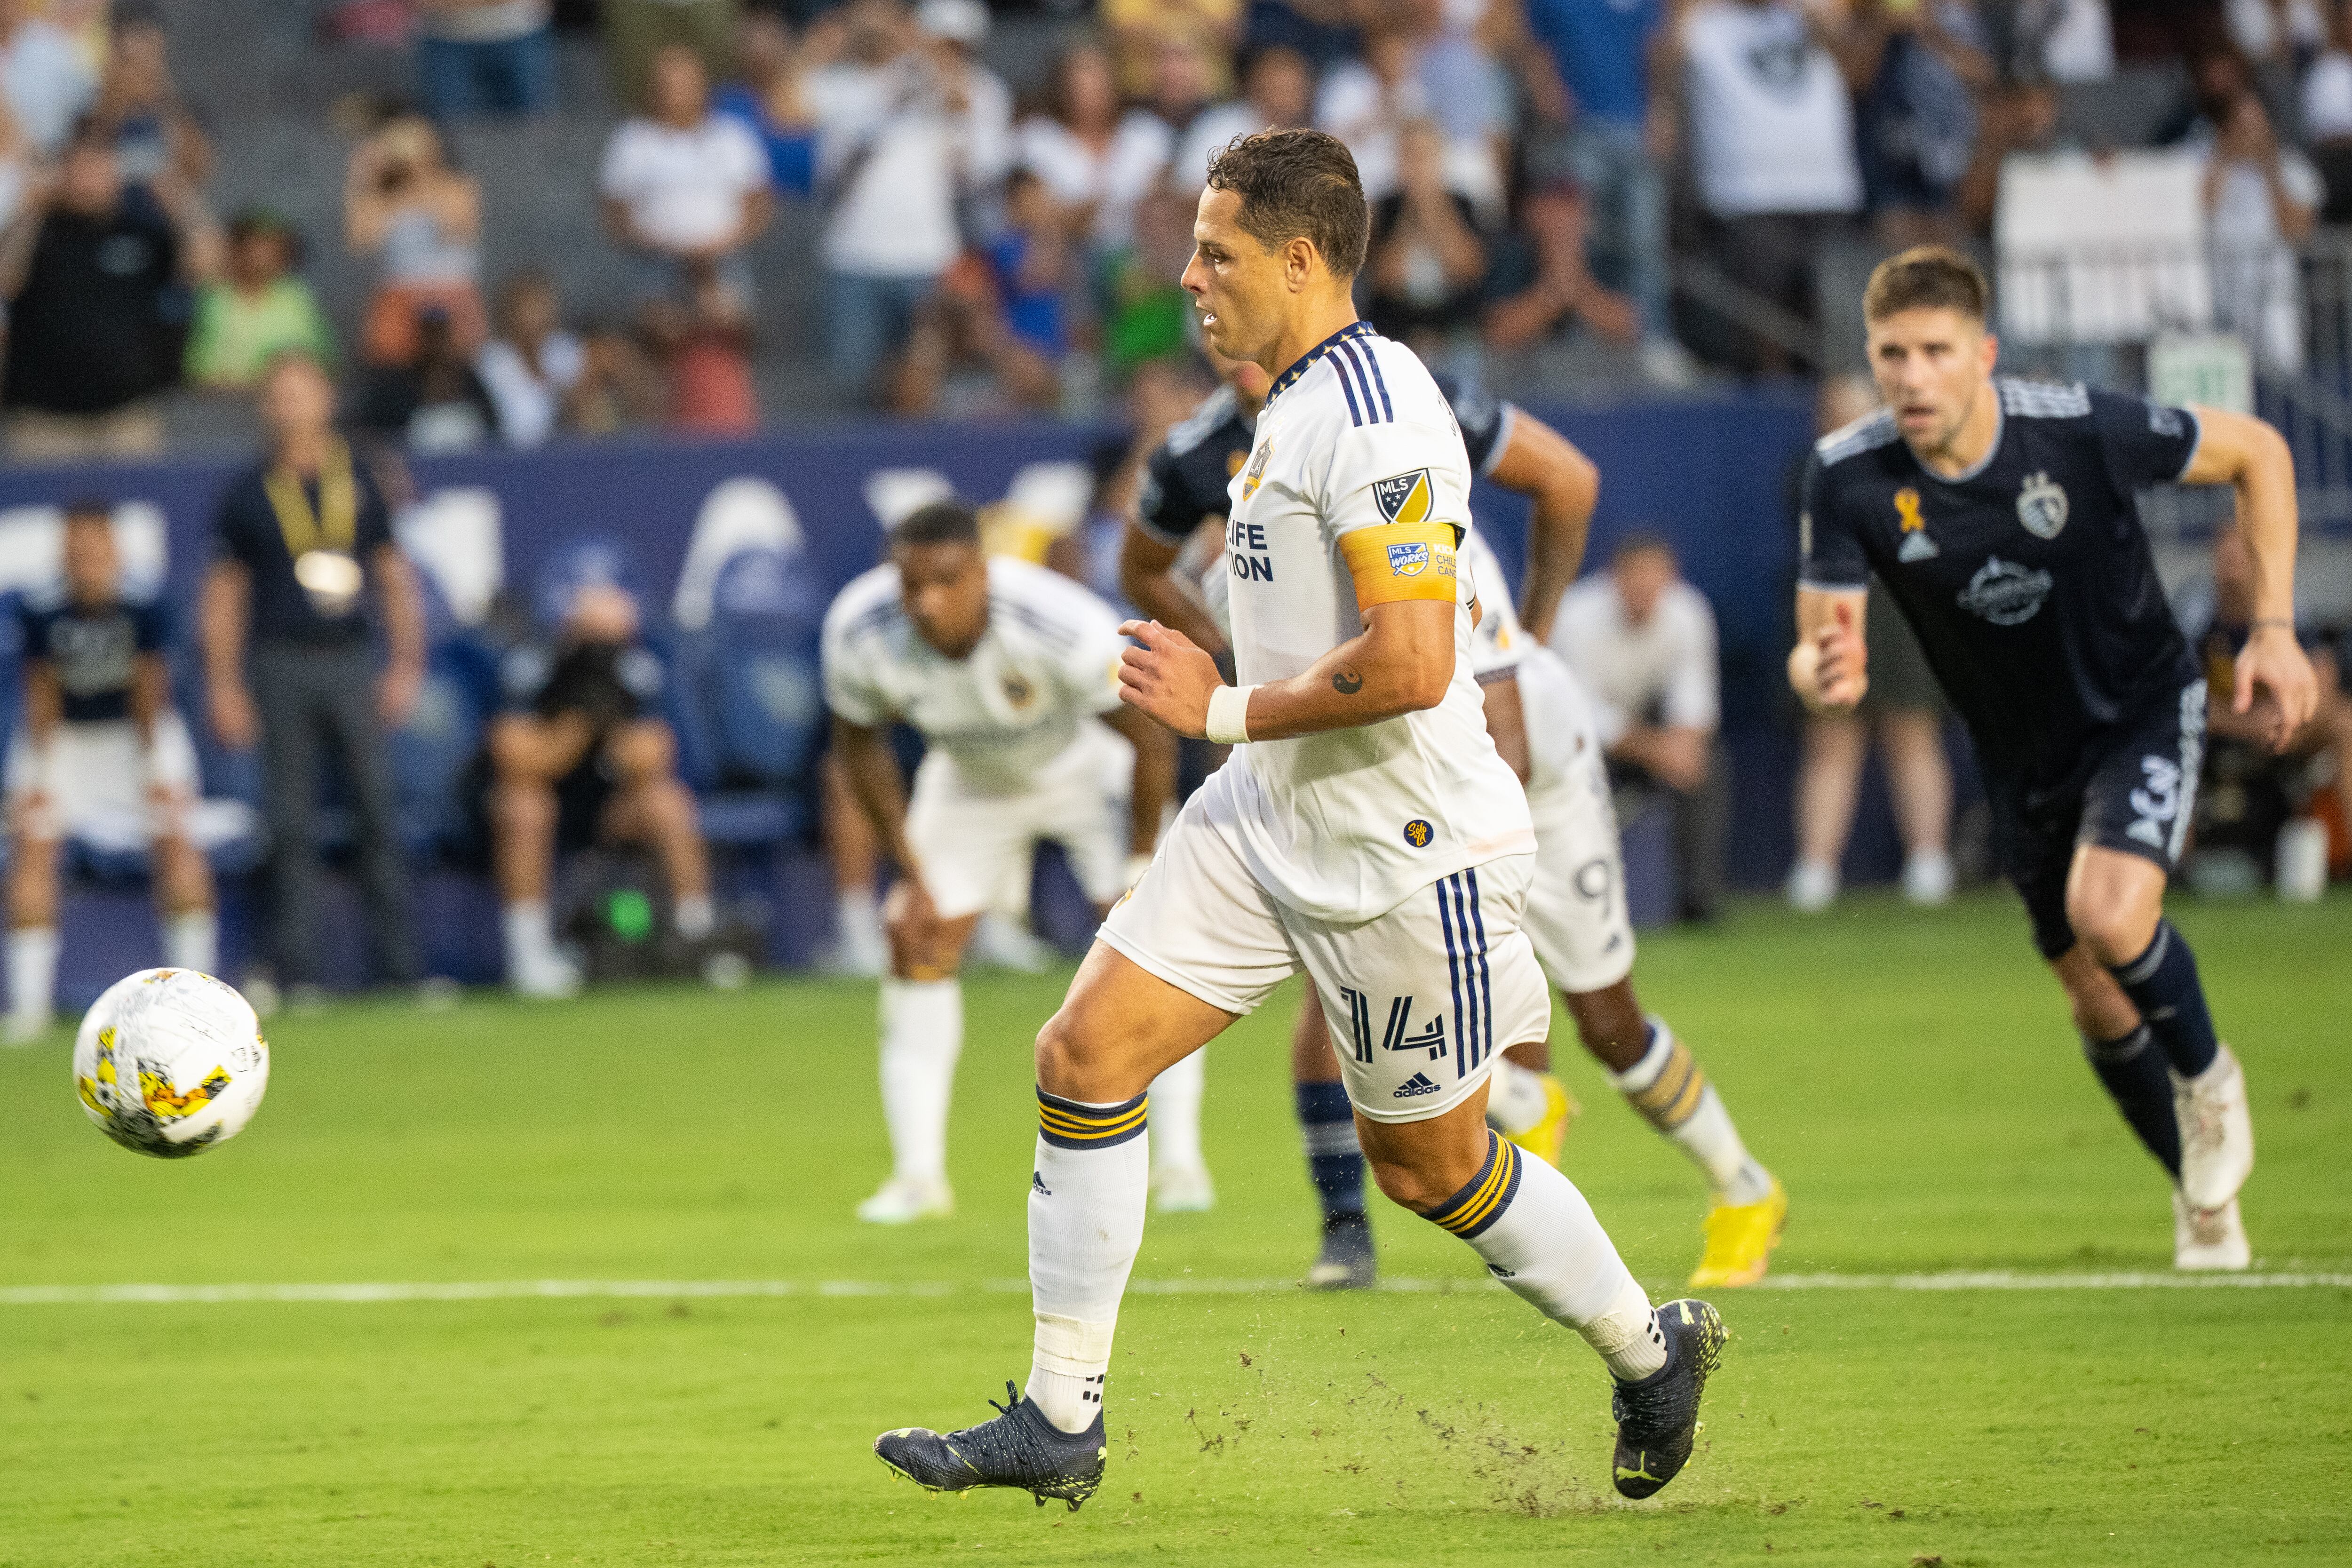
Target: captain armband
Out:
[1401,561]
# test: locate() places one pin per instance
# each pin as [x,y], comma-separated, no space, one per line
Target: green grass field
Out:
[1911,1078]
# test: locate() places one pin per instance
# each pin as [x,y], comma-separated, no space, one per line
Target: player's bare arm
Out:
[1829,669]
[1545,466]
[2253,459]
[1401,663]
[1146,576]
[1154,782]
[872,772]
[1506,724]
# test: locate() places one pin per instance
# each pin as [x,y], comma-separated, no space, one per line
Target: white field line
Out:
[674,1289]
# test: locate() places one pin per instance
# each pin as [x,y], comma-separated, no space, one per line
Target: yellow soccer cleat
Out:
[1544,1138]
[1740,1238]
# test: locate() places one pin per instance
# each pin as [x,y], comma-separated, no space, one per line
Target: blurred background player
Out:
[1002,665]
[102,758]
[1642,643]
[1904,713]
[583,758]
[2035,596]
[1541,724]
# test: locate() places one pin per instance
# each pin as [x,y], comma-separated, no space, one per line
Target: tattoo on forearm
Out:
[1347,682]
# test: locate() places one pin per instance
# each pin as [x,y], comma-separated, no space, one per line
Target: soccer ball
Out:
[171,1062]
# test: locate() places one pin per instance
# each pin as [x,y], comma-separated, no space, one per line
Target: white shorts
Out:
[978,849]
[98,779]
[1419,1000]
[1576,909]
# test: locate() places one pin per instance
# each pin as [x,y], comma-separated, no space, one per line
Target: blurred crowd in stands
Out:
[993,204]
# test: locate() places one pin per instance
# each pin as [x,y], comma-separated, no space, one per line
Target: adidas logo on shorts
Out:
[1417,1084]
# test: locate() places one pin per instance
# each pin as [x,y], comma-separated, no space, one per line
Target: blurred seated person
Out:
[580,759]
[435,403]
[683,185]
[1538,283]
[2329,732]
[259,309]
[1643,642]
[769,70]
[1427,262]
[1029,264]
[532,368]
[102,757]
[422,220]
[704,347]
[963,360]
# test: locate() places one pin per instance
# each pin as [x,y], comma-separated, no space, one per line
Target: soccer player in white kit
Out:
[1004,667]
[1364,830]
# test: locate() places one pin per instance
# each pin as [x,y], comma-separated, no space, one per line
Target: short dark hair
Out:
[1926,278]
[90,509]
[1297,185]
[1644,542]
[942,522]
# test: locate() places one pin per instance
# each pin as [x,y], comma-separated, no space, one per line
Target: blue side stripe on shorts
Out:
[1454,972]
[1485,974]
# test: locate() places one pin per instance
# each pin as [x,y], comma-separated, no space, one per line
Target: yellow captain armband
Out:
[1401,561]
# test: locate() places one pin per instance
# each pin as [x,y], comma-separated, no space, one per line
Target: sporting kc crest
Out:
[2042,505]
[1405,498]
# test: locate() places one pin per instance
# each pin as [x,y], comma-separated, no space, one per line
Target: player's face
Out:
[1237,284]
[89,560]
[1932,366]
[945,587]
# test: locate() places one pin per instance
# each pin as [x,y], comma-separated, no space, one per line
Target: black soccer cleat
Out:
[1658,1416]
[1018,1447]
[1348,1261]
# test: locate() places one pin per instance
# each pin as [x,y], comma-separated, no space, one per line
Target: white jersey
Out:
[1559,718]
[1001,714]
[1345,824]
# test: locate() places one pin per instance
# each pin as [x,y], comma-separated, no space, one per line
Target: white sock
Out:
[1086,1198]
[1674,1096]
[692,917]
[530,934]
[1515,1098]
[922,1036]
[1538,1236]
[1176,1114]
[32,973]
[192,941]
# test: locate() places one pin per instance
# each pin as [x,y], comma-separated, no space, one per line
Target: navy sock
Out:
[1335,1162]
[2133,1071]
[2162,983]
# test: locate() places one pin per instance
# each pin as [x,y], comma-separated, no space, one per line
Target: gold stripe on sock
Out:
[1673,1097]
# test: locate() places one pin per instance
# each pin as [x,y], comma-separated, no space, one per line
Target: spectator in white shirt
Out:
[1068,146]
[1643,642]
[43,77]
[957,28]
[2261,202]
[892,158]
[533,366]
[1277,94]
[1771,121]
[682,184]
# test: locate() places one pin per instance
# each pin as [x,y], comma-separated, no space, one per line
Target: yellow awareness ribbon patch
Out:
[1401,561]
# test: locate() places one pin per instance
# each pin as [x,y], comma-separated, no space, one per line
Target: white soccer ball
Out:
[171,1062]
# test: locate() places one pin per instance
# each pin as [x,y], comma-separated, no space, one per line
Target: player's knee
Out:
[1410,1184]
[2110,929]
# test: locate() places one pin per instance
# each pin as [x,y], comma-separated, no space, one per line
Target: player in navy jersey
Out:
[1577,912]
[2000,515]
[101,758]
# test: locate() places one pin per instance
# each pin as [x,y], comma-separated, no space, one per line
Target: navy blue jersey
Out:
[1187,476]
[94,650]
[2028,579]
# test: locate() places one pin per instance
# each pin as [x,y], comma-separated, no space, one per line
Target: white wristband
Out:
[1229,714]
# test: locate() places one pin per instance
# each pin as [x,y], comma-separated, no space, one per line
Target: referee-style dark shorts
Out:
[2135,791]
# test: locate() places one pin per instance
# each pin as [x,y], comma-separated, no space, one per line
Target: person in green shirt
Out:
[260,309]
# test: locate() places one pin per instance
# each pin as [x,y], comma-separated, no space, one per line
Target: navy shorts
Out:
[2133,791]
